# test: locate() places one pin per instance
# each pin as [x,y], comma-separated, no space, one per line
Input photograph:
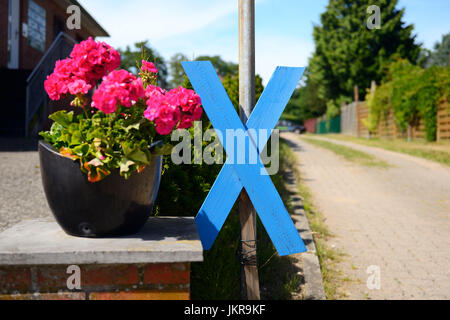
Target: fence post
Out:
[356,98]
[247,213]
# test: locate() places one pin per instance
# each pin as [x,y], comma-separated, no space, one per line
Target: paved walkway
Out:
[396,220]
[21,192]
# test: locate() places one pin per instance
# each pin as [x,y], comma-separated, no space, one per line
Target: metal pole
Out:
[249,270]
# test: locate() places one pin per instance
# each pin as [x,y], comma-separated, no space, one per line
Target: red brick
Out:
[109,275]
[55,277]
[29,56]
[15,279]
[167,273]
[140,295]
[46,296]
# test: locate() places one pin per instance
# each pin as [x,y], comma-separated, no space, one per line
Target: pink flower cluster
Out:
[179,107]
[88,63]
[149,67]
[91,61]
[118,87]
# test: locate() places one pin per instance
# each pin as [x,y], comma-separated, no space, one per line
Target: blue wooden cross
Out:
[253,177]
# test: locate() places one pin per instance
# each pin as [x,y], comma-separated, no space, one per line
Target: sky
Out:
[210,27]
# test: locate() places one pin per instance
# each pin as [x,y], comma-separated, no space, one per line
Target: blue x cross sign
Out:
[253,177]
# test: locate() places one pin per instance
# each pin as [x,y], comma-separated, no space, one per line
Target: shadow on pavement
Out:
[18,144]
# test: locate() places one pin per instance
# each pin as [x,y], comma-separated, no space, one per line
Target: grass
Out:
[348,153]
[218,277]
[328,257]
[434,151]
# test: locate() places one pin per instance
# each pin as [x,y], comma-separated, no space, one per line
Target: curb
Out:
[314,289]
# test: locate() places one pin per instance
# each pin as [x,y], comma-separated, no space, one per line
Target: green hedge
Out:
[413,93]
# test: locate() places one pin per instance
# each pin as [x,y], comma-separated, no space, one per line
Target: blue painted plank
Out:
[214,211]
[218,204]
[259,186]
[274,98]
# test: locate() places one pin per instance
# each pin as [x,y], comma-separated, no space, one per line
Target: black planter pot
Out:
[111,207]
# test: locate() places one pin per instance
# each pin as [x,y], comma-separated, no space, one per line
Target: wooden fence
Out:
[349,119]
[354,115]
[443,122]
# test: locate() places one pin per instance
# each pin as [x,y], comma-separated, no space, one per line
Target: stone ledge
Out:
[43,242]
[314,288]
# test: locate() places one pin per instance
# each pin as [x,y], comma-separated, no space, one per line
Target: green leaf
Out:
[96,133]
[135,126]
[47,136]
[125,165]
[81,150]
[77,138]
[165,150]
[62,117]
[95,162]
[55,131]
[134,153]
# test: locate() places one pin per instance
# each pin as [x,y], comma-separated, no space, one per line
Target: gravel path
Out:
[396,220]
[21,192]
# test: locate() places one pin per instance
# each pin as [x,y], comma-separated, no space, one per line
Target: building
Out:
[28,30]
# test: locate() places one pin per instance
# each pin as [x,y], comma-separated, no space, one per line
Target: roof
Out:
[87,21]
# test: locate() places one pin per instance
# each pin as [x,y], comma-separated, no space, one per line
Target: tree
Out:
[379,105]
[131,58]
[405,79]
[176,69]
[231,85]
[348,53]
[440,56]
[222,67]
[305,102]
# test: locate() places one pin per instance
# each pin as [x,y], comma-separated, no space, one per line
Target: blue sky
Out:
[210,27]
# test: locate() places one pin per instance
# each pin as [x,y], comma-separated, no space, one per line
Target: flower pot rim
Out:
[50,148]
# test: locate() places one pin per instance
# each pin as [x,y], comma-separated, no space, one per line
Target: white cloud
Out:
[132,21]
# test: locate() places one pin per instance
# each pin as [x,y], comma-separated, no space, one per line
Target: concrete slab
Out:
[42,241]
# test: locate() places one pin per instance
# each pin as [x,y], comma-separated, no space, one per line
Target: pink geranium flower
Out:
[88,63]
[79,86]
[91,61]
[149,67]
[177,108]
[119,87]
[94,59]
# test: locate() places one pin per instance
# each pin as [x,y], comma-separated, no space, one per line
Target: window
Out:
[36,26]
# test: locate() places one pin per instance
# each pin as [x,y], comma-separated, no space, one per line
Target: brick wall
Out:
[162,281]
[30,56]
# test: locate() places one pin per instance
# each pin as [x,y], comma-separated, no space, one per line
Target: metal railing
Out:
[37,99]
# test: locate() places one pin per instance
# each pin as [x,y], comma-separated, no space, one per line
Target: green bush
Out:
[413,93]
